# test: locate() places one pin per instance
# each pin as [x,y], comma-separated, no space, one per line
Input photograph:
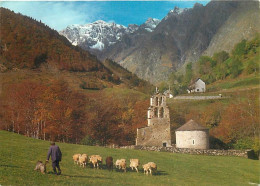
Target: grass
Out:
[18,156]
[249,81]
[123,93]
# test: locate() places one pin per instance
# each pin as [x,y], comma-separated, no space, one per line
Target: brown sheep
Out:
[109,163]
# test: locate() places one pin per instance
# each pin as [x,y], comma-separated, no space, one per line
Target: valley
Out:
[90,86]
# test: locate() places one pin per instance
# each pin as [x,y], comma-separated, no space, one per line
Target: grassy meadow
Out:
[19,154]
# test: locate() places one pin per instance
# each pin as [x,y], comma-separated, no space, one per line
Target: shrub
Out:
[245,143]
[240,49]
[88,141]
[252,67]
[235,67]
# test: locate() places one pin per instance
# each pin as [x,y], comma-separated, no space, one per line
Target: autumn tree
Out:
[240,120]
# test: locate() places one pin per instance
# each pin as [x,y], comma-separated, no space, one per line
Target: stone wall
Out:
[198,97]
[210,152]
[154,135]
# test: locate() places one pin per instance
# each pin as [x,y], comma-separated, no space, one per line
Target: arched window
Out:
[161,100]
[156,101]
[161,112]
[156,112]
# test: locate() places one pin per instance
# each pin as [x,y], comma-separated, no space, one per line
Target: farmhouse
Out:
[197,86]
[192,135]
[158,132]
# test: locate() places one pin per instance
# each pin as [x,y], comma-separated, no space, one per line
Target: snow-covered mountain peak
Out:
[175,12]
[99,22]
[132,28]
[152,21]
[100,34]
[96,35]
[150,24]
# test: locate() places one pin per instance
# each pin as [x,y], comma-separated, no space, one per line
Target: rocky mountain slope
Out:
[183,35]
[100,35]
[242,24]
[156,48]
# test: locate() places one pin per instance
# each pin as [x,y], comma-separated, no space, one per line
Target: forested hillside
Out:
[233,120]
[130,79]
[242,62]
[27,43]
[52,90]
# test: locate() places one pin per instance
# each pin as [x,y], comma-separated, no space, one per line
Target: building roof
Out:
[192,84]
[190,126]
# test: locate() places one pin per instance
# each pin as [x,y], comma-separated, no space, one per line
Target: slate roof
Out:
[192,84]
[191,126]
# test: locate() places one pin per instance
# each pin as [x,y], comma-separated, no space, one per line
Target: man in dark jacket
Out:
[55,153]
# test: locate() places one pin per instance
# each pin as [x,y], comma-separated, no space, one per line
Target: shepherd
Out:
[55,153]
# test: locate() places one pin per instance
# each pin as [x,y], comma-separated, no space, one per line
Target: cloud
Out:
[56,15]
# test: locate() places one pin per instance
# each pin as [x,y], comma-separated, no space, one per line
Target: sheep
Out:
[146,168]
[153,167]
[134,163]
[109,163]
[75,158]
[83,159]
[96,160]
[121,164]
[93,160]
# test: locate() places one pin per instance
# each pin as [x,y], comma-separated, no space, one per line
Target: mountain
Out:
[150,24]
[100,35]
[242,24]
[96,35]
[183,36]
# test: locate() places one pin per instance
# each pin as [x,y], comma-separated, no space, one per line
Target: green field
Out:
[18,156]
[239,83]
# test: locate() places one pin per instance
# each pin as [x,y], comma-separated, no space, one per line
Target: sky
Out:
[59,14]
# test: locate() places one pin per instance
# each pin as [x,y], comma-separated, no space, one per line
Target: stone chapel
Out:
[158,131]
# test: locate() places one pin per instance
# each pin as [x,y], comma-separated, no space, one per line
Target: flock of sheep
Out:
[96,162]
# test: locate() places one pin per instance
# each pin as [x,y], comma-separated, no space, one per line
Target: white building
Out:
[192,135]
[197,86]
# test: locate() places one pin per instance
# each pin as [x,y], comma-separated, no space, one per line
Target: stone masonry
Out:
[208,152]
[158,132]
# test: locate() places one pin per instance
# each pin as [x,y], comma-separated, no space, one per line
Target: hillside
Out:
[128,78]
[50,89]
[243,24]
[19,155]
[35,43]
[233,120]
